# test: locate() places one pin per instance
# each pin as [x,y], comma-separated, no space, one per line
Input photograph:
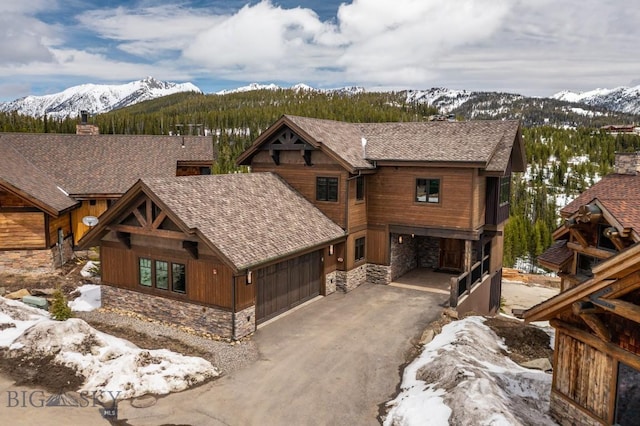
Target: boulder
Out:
[542,364]
[18,295]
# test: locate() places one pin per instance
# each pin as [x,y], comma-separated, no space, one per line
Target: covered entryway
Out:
[284,285]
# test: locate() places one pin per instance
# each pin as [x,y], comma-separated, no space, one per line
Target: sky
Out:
[531,47]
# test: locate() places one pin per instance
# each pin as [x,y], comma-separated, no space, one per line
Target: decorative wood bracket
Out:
[124,238]
[191,247]
[307,156]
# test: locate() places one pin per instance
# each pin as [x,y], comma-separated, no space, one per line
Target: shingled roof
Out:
[250,218]
[21,177]
[105,164]
[487,144]
[618,193]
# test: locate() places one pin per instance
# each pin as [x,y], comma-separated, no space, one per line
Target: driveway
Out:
[332,362]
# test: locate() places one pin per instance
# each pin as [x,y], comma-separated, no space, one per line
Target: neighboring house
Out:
[596,378]
[408,195]
[215,253]
[598,224]
[50,182]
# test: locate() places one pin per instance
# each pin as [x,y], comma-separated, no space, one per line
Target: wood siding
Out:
[391,198]
[8,200]
[479,199]
[357,208]
[63,222]
[85,209]
[245,293]
[583,374]
[209,282]
[303,179]
[22,230]
[350,254]
[378,245]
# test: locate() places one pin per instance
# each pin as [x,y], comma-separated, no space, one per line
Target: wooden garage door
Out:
[282,286]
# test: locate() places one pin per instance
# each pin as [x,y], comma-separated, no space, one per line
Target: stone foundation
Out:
[347,281]
[568,414]
[244,322]
[42,261]
[198,317]
[428,252]
[378,274]
[330,283]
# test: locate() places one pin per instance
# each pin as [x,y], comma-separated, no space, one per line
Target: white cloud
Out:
[527,46]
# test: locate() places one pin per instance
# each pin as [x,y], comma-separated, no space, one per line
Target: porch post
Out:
[468,250]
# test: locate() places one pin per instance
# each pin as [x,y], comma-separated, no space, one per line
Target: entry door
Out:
[451,254]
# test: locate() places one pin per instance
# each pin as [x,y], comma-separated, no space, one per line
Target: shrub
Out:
[60,310]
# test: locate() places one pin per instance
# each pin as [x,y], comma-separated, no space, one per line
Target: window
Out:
[205,170]
[505,189]
[604,242]
[327,188]
[92,202]
[162,275]
[428,190]
[360,188]
[145,272]
[585,264]
[359,249]
[178,284]
[627,396]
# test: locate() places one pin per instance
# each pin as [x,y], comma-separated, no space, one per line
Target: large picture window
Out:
[162,275]
[327,188]
[428,191]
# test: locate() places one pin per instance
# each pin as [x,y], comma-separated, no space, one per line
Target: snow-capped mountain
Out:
[621,99]
[446,100]
[300,87]
[95,98]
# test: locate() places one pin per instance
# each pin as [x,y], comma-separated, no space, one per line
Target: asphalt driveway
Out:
[332,362]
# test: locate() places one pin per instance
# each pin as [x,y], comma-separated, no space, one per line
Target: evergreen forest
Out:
[562,162]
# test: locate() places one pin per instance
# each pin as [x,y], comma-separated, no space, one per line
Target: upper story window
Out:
[505,189]
[360,244]
[360,188]
[327,189]
[428,191]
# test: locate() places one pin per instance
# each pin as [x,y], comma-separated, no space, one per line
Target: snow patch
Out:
[90,298]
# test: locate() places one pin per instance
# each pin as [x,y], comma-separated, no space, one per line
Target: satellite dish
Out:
[90,221]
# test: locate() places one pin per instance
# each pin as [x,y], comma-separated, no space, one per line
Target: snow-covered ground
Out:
[462,377]
[107,363]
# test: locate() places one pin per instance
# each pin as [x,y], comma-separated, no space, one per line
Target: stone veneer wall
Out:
[378,274]
[17,261]
[627,163]
[197,317]
[244,322]
[428,252]
[347,281]
[568,414]
[330,282]
[403,256]
[36,261]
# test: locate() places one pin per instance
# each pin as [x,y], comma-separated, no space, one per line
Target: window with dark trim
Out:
[162,275]
[505,189]
[428,191]
[627,396]
[327,189]
[360,244]
[360,188]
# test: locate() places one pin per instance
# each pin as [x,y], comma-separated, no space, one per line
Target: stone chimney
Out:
[627,163]
[84,128]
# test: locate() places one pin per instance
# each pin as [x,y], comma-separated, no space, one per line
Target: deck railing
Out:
[464,283]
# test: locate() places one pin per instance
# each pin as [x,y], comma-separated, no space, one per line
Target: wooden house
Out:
[50,182]
[596,377]
[408,195]
[218,253]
